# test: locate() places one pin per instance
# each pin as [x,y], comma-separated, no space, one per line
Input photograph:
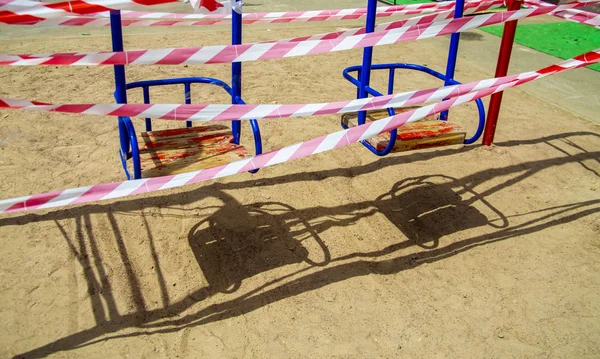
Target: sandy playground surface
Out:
[478,252]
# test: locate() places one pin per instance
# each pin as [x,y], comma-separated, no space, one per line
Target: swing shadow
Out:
[419,207]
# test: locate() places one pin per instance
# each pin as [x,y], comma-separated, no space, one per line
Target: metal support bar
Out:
[391,81]
[187,88]
[506,45]
[126,130]
[365,80]
[453,52]
[146,91]
[236,72]
[365,73]
[116,32]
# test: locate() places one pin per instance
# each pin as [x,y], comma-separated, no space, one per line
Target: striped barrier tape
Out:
[408,8]
[226,112]
[217,6]
[303,149]
[272,50]
[94,21]
[223,112]
[575,15]
[30,12]
[26,12]
[470,7]
[381,27]
[18,11]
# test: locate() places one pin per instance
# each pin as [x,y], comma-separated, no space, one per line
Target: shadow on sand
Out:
[239,241]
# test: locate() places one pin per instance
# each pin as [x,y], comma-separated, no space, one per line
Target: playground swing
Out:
[428,132]
[166,152]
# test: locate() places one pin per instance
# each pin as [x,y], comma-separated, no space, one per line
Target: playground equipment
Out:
[165,152]
[429,132]
[159,153]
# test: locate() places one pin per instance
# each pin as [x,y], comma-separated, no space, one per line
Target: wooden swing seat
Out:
[174,151]
[426,133]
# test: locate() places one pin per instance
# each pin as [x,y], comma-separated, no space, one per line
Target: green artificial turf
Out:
[561,39]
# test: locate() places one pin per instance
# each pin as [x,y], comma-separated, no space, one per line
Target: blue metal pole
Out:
[146,91]
[391,81]
[116,32]
[236,73]
[365,72]
[453,52]
[188,99]
[117,45]
[126,130]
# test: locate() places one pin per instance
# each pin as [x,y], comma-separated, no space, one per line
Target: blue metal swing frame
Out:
[127,135]
[363,79]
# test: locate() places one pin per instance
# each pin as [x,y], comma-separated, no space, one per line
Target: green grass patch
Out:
[561,39]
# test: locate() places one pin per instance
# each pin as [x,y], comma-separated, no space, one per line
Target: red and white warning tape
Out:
[448,12]
[470,8]
[224,112]
[24,11]
[324,143]
[409,9]
[272,50]
[96,21]
[30,12]
[575,15]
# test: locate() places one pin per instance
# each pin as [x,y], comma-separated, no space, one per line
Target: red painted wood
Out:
[187,149]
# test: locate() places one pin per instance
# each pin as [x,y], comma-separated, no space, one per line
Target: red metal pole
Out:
[506,45]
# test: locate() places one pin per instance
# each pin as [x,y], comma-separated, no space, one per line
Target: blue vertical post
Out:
[116,32]
[188,99]
[365,71]
[453,52]
[146,92]
[236,73]
[391,81]
[126,131]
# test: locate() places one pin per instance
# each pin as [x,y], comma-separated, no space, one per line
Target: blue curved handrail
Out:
[255,130]
[425,69]
[393,133]
[179,81]
[125,126]
[186,81]
[129,141]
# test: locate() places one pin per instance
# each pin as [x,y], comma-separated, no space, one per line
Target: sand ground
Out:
[481,252]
